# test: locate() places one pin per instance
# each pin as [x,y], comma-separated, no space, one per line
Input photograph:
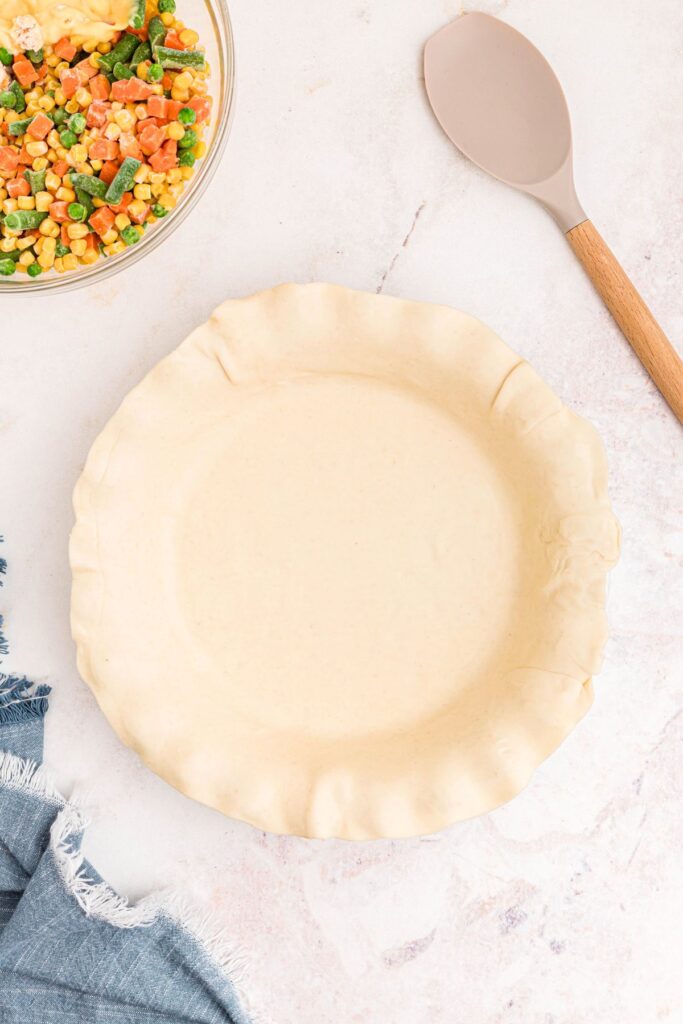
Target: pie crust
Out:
[339,565]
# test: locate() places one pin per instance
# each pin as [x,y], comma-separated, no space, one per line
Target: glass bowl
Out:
[211,20]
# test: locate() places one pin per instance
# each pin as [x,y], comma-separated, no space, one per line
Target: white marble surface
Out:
[565,906]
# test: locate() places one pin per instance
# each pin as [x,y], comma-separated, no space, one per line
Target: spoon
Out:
[499,102]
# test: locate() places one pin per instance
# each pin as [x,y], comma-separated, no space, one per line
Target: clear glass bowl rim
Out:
[104,269]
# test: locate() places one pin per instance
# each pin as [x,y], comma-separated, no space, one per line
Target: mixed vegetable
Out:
[97,143]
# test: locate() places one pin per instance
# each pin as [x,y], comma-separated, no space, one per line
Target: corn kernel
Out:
[104,47]
[121,221]
[188,37]
[180,95]
[8,244]
[167,19]
[26,259]
[58,265]
[115,249]
[79,247]
[141,70]
[142,174]
[91,256]
[26,202]
[25,243]
[52,181]
[141,112]
[137,208]
[52,60]
[40,163]
[175,131]
[70,261]
[77,231]
[47,226]
[83,97]
[167,200]
[187,172]
[44,200]
[46,103]
[72,106]
[157,177]
[79,154]
[36,148]
[173,175]
[60,98]
[9,205]
[67,195]
[96,165]
[3,194]
[112,131]
[143,192]
[124,119]
[109,237]
[49,244]
[46,260]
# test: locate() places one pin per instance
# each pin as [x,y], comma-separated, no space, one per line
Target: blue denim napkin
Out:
[71,949]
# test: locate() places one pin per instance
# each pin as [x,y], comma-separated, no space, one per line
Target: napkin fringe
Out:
[22,699]
[20,773]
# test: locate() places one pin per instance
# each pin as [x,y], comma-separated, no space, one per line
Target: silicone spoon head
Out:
[500,103]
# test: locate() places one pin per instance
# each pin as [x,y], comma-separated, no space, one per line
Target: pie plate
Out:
[339,565]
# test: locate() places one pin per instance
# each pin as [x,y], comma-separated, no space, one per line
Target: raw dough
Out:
[339,565]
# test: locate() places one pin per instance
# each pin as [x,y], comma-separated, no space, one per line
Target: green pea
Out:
[5,57]
[61,249]
[34,269]
[187,116]
[187,158]
[59,115]
[68,139]
[155,73]
[166,6]
[8,100]
[188,140]
[129,235]
[77,211]
[7,266]
[77,123]
[158,210]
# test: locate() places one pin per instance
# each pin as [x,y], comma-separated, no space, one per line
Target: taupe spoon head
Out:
[499,101]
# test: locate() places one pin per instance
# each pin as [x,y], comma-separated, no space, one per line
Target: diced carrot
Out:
[71,80]
[109,171]
[64,235]
[102,220]
[86,70]
[129,146]
[60,167]
[24,72]
[201,106]
[103,149]
[59,211]
[156,106]
[18,187]
[25,157]
[122,207]
[140,216]
[40,126]
[167,82]
[99,87]
[9,159]
[65,49]
[131,90]
[166,158]
[96,116]
[151,139]
[173,108]
[42,71]
[147,121]
[172,41]
[91,241]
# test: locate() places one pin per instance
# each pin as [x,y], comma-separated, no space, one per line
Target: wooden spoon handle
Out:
[646,337]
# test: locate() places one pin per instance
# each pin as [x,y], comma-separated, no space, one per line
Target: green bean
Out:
[169,58]
[123,180]
[122,71]
[36,180]
[143,52]
[137,18]
[90,184]
[5,57]
[156,31]
[122,52]
[84,200]
[19,127]
[21,99]
[35,56]
[24,220]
